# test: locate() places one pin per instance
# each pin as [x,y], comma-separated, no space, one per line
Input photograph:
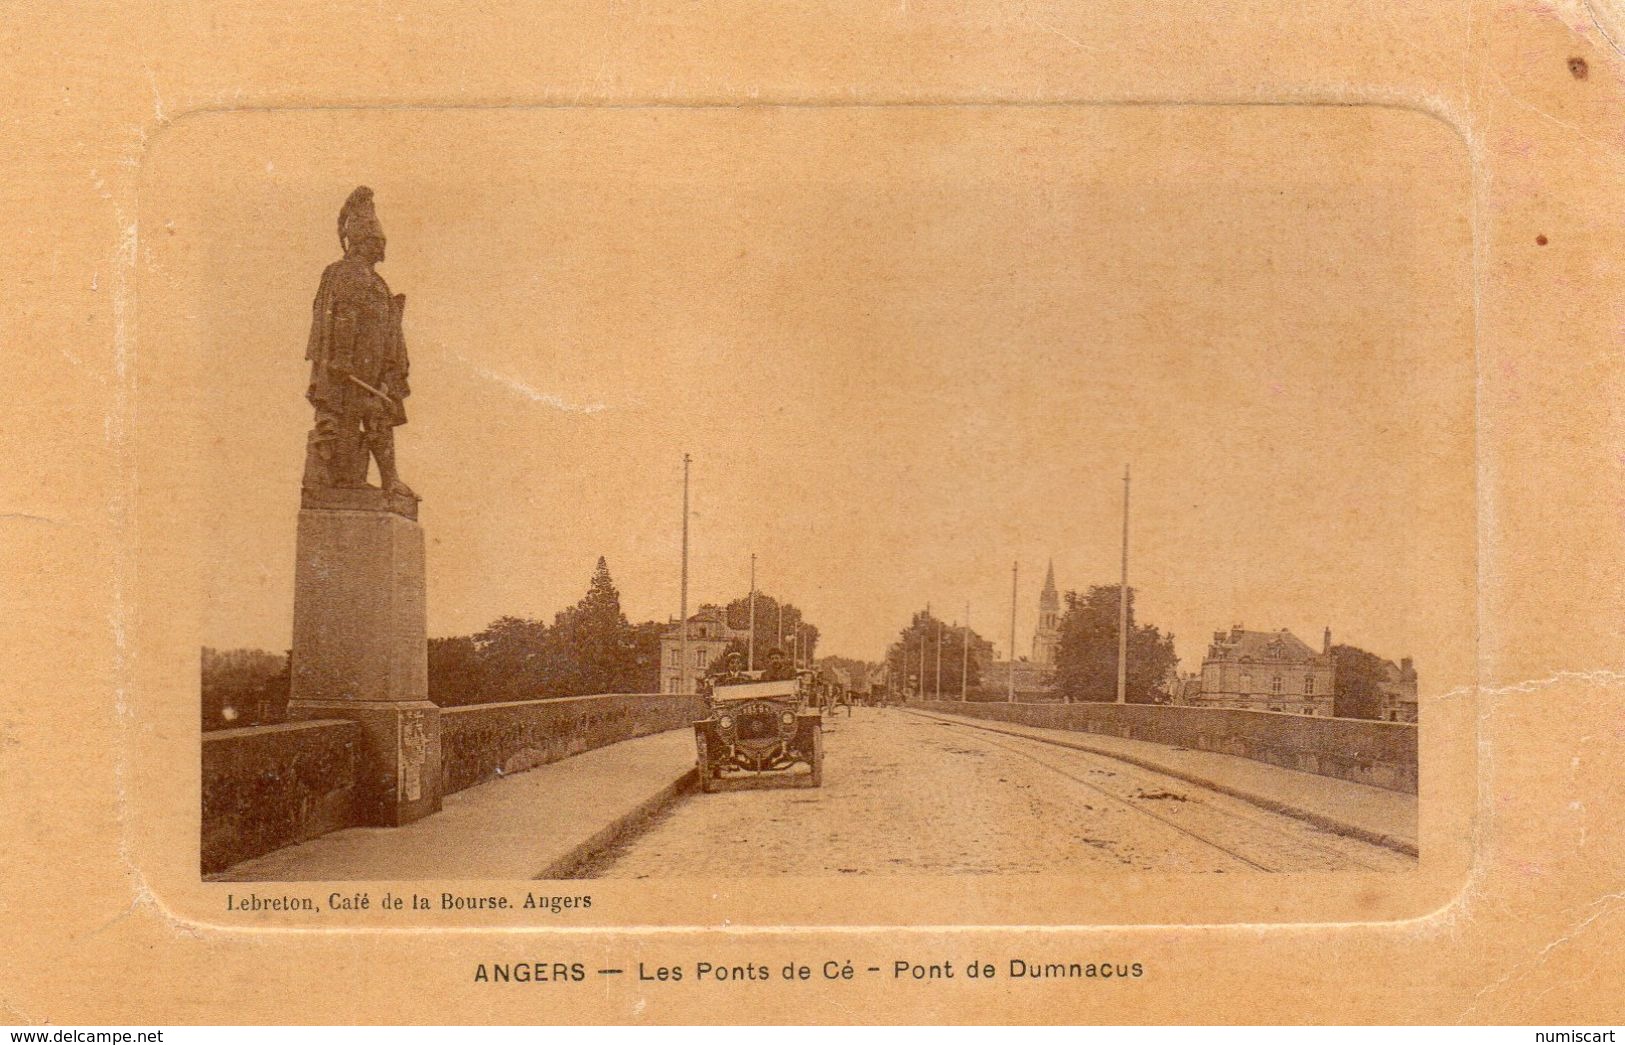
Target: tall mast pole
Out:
[1010,682]
[909,678]
[682,612]
[939,659]
[750,650]
[1122,606]
[925,639]
[964,655]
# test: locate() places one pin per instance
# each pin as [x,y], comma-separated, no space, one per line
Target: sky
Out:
[906,347]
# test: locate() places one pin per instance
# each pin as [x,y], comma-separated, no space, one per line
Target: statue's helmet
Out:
[358,220]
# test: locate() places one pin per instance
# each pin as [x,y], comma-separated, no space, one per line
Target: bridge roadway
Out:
[908,793]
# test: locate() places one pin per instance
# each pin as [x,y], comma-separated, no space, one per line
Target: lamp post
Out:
[1010,681]
[939,660]
[964,656]
[916,681]
[682,612]
[750,650]
[1122,606]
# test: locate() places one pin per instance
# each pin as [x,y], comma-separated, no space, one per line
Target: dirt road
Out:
[907,794]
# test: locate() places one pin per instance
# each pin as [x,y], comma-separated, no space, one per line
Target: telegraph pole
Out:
[925,638]
[921,675]
[919,690]
[939,660]
[1010,691]
[682,620]
[750,651]
[1122,606]
[964,655]
[907,642]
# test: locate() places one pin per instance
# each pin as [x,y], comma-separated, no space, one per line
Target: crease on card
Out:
[1603,905]
[531,393]
[117,427]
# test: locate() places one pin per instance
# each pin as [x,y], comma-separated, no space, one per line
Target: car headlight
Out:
[789,718]
[725,722]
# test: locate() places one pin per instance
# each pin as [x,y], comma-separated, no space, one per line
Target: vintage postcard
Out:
[835,516]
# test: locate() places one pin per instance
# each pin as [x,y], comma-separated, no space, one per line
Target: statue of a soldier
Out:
[357,361]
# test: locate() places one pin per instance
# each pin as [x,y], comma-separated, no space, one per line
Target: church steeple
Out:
[1047,636]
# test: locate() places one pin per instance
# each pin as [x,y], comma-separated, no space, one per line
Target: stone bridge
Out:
[267,788]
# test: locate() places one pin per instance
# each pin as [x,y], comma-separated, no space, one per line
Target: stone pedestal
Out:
[360,650]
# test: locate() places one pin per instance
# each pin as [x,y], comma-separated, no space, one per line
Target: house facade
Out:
[708,638]
[1398,687]
[1266,671]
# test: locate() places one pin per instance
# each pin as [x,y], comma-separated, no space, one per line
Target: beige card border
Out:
[1533,936]
[163,825]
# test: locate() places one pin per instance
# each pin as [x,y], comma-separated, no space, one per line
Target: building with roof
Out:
[1266,671]
[1373,687]
[1399,691]
[708,638]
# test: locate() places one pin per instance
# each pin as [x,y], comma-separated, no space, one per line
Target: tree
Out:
[914,656]
[277,690]
[243,687]
[1086,660]
[774,628]
[589,649]
[1357,678]
[511,654]
[455,678]
[642,670]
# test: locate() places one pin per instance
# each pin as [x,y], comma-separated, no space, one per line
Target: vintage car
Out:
[759,727]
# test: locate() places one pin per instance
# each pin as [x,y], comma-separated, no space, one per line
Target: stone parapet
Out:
[265,787]
[398,775]
[1383,754]
[480,742]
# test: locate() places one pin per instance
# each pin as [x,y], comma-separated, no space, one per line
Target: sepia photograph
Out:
[827,492]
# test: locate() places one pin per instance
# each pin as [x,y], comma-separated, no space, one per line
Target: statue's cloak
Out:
[355,326]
